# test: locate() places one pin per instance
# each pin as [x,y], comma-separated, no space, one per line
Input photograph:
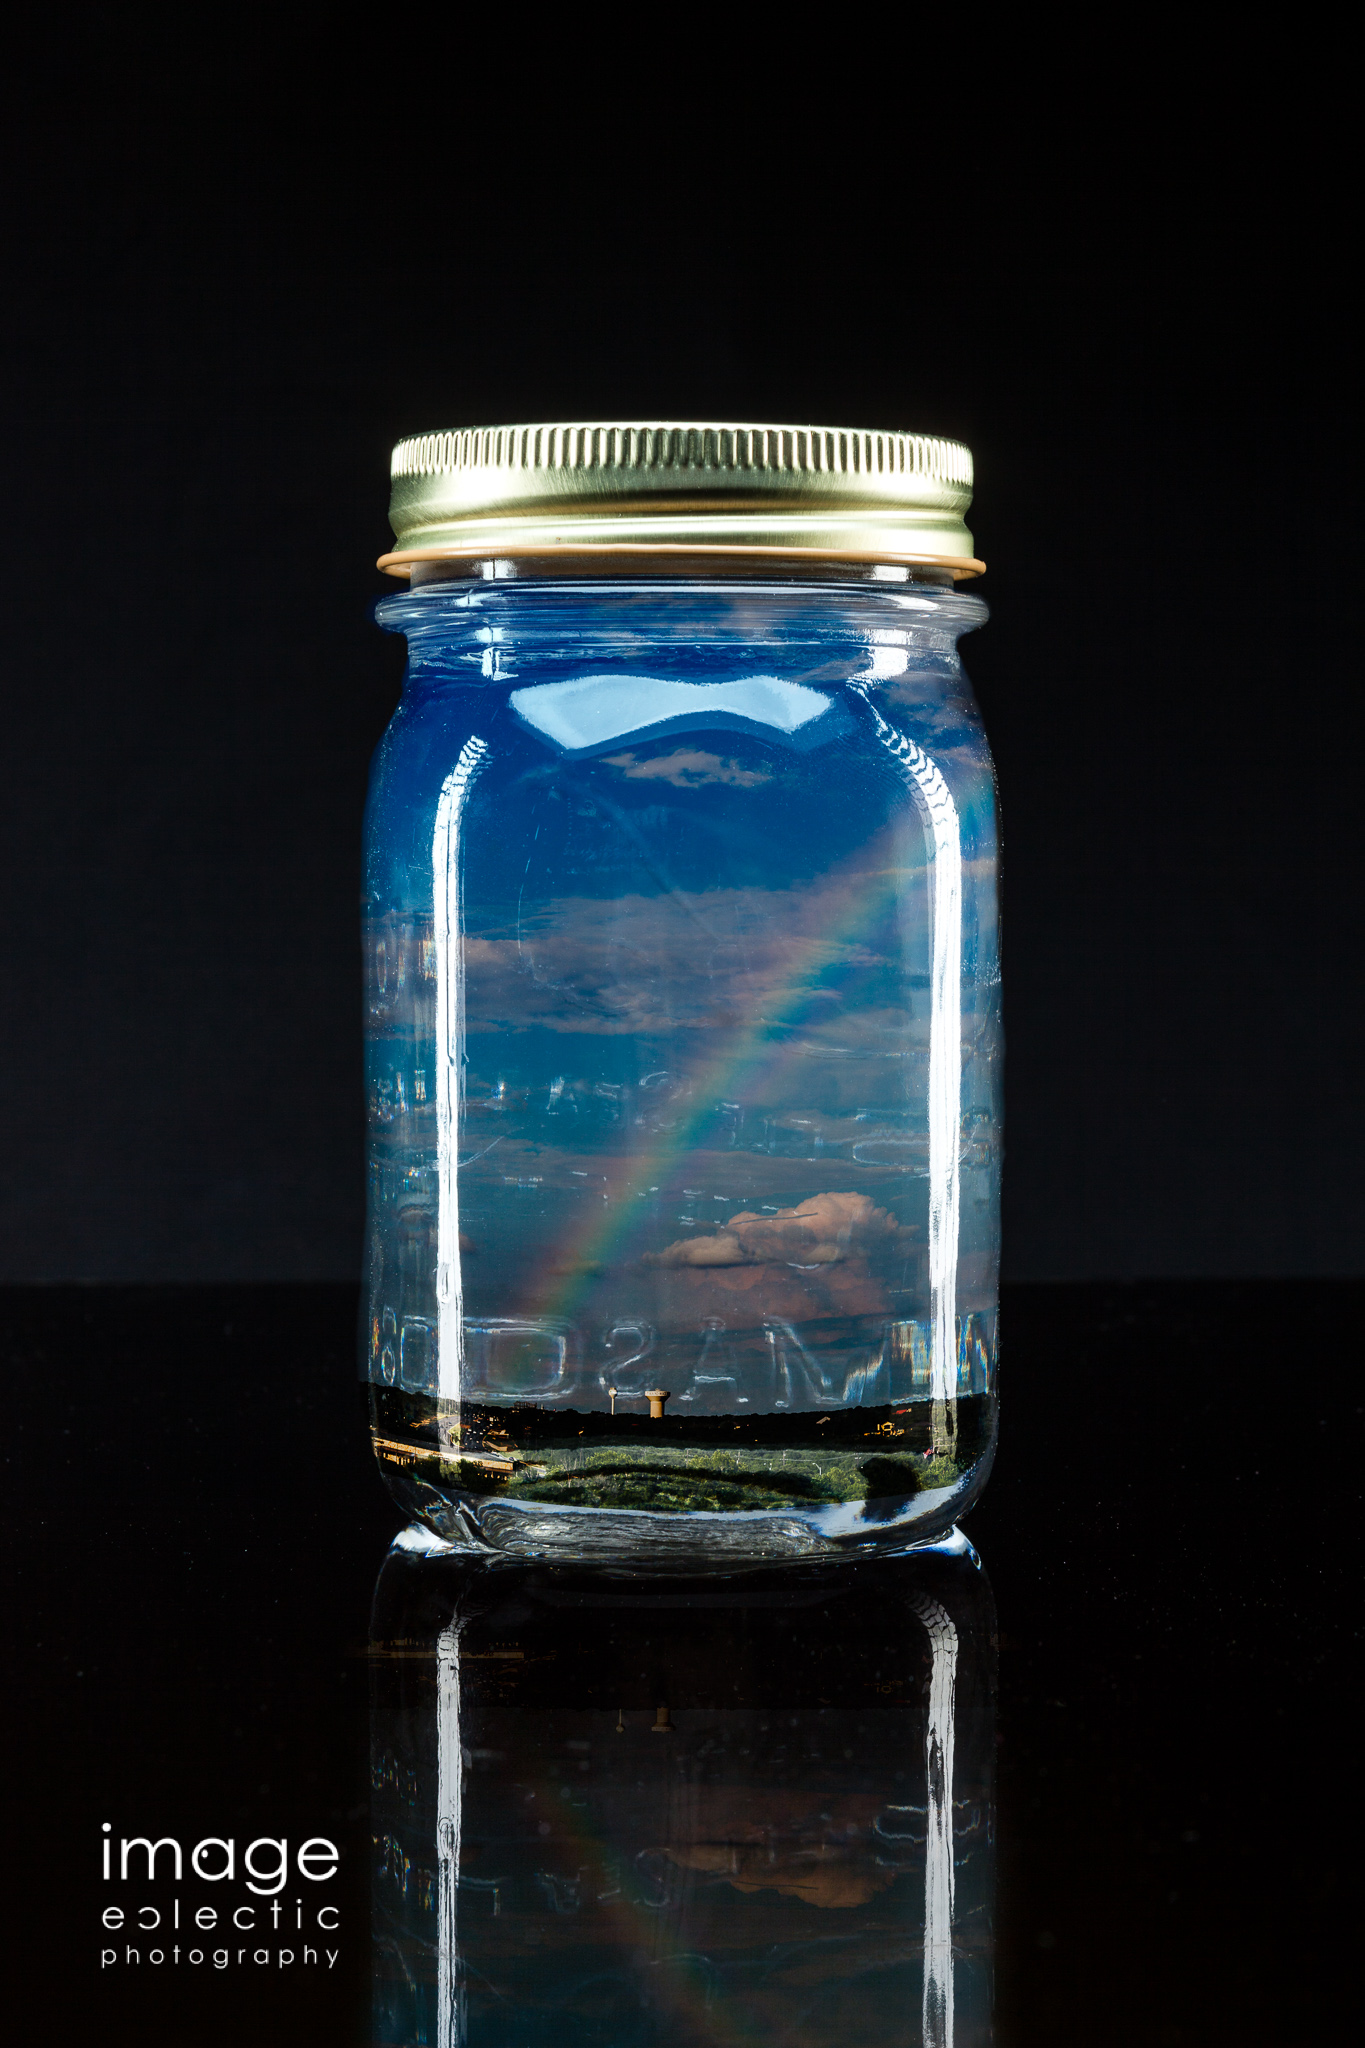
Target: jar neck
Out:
[793,621]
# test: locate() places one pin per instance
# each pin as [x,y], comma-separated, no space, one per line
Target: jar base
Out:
[531,1531]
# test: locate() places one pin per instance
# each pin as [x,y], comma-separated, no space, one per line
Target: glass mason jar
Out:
[683,998]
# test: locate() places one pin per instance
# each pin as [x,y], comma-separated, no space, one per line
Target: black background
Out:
[244,257]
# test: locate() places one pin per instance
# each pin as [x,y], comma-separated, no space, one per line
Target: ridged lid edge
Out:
[689,447]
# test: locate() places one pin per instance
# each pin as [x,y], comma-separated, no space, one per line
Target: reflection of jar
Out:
[683,996]
[605,1812]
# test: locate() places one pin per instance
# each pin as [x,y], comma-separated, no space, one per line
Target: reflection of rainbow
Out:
[746,1061]
[634,1926]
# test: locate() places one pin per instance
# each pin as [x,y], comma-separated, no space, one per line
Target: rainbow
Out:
[746,1061]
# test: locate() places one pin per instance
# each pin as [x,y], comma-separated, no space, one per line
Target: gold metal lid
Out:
[679,487]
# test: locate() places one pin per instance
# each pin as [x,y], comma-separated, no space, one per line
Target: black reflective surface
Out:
[607,1810]
[205,1641]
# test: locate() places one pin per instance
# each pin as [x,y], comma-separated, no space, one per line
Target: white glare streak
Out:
[445,856]
[592,710]
[945,1063]
[937,2025]
[450,2028]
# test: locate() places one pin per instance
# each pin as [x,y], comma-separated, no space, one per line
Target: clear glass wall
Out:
[684,1052]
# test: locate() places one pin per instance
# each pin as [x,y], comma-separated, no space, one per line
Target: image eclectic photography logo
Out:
[167,1913]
